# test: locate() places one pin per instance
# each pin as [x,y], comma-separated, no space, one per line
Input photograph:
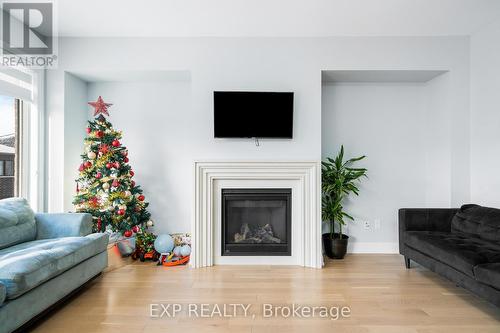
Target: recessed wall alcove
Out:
[404,121]
[149,107]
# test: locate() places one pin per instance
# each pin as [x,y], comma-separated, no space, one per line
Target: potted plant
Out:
[339,179]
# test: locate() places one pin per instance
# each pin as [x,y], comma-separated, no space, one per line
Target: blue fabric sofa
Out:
[43,258]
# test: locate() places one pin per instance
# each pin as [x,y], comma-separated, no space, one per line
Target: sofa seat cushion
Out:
[460,251]
[488,274]
[27,265]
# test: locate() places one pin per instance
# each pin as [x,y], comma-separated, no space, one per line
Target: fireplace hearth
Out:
[256,222]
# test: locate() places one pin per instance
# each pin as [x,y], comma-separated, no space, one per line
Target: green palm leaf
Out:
[339,179]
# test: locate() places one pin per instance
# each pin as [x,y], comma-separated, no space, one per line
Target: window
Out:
[9,168]
[22,135]
[8,135]
[6,169]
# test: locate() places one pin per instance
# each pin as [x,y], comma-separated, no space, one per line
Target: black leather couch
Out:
[462,245]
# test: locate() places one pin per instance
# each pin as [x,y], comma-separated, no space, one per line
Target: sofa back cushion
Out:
[17,222]
[482,222]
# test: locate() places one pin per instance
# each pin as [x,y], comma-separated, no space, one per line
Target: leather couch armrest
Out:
[424,219]
[63,225]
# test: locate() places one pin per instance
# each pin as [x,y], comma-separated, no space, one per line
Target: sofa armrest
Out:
[63,225]
[424,219]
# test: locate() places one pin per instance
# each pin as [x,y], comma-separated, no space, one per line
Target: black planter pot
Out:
[335,248]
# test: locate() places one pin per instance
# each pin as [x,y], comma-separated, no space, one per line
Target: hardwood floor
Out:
[382,296]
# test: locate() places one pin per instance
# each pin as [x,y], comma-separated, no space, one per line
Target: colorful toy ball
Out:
[164,243]
[177,251]
[185,250]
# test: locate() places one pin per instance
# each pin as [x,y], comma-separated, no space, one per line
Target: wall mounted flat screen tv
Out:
[244,114]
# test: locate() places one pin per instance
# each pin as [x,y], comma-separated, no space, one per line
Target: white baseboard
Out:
[367,247]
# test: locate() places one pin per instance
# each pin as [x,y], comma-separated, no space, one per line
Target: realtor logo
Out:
[28,37]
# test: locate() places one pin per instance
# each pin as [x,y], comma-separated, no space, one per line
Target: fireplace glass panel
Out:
[256,222]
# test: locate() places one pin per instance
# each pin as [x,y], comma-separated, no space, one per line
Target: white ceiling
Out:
[190,18]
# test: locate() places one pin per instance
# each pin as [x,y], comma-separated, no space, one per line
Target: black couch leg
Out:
[407,262]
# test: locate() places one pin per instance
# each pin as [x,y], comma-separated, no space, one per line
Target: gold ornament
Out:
[91,155]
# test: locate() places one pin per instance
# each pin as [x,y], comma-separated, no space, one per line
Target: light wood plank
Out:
[383,297]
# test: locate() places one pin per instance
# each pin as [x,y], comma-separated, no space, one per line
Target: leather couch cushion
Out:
[17,222]
[460,251]
[483,222]
[27,265]
[488,274]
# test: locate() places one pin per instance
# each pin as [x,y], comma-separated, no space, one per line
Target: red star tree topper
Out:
[105,187]
[100,107]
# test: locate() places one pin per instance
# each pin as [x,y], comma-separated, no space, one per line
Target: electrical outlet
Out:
[367,225]
[376,223]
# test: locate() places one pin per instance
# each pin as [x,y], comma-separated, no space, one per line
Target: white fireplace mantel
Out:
[306,180]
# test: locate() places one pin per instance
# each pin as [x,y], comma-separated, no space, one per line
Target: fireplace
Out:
[256,222]
[303,178]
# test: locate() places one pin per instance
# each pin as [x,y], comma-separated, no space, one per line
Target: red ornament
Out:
[99,224]
[115,183]
[131,173]
[135,228]
[89,130]
[124,152]
[115,143]
[125,160]
[98,175]
[109,165]
[81,168]
[117,165]
[127,233]
[121,212]
[132,183]
[100,106]
[138,209]
[93,201]
[99,134]
[87,164]
[103,148]
[141,197]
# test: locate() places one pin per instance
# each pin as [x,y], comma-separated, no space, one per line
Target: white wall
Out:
[154,118]
[440,190]
[282,64]
[54,108]
[403,128]
[485,116]
[75,116]
[65,103]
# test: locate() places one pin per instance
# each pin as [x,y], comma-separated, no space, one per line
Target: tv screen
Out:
[242,114]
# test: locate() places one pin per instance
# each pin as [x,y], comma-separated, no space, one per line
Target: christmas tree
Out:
[105,187]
